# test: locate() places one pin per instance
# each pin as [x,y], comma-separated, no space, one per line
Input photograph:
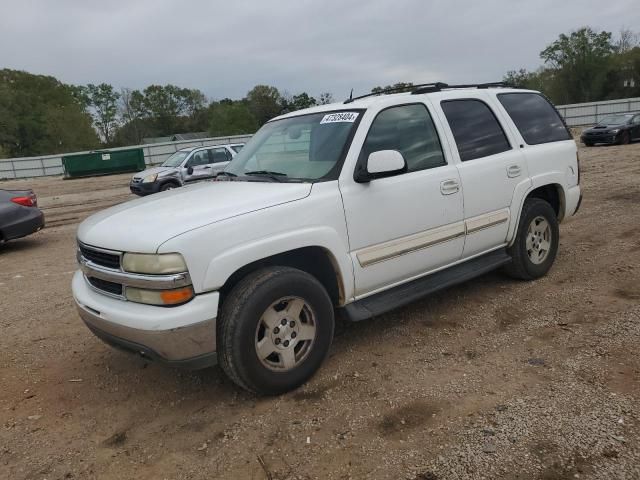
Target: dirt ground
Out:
[493,379]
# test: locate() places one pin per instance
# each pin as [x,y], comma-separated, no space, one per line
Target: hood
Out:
[606,126]
[142,225]
[152,171]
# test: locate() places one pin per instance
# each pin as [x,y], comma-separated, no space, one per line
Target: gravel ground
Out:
[493,379]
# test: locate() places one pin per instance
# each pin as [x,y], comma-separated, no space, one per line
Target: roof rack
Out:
[425,88]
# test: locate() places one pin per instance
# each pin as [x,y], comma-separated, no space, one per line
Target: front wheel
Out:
[625,138]
[536,245]
[274,330]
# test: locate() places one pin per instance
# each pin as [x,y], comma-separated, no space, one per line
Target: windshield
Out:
[615,120]
[175,160]
[303,148]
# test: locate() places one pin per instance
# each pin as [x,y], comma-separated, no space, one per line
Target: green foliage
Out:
[40,115]
[264,102]
[102,101]
[231,118]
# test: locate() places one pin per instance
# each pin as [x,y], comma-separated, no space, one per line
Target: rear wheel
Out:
[536,245]
[588,144]
[274,330]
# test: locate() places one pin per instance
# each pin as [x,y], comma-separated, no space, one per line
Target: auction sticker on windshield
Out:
[348,117]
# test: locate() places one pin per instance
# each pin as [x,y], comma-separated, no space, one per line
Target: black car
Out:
[19,214]
[621,128]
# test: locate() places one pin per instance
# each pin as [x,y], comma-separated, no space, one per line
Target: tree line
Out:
[585,66]
[40,115]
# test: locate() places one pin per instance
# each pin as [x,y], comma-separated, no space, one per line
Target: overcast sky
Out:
[226,47]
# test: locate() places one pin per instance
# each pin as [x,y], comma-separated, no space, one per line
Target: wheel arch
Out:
[553,193]
[314,260]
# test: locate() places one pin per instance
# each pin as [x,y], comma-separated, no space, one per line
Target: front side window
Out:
[475,129]
[409,130]
[302,148]
[199,158]
[535,118]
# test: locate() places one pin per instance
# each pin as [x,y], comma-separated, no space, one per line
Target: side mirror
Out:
[189,170]
[383,163]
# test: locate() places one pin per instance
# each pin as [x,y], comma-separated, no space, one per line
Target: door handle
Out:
[449,187]
[514,171]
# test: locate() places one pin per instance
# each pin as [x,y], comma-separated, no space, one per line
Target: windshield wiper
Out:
[277,176]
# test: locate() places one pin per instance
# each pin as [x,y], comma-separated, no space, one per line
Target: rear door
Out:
[220,157]
[491,168]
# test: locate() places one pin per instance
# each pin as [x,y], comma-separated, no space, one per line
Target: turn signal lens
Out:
[164,298]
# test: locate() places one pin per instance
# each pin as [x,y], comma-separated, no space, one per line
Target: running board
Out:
[401,295]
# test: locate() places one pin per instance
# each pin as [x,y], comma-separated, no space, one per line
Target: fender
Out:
[223,265]
[522,191]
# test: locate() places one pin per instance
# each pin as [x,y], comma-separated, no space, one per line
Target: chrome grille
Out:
[109,287]
[99,257]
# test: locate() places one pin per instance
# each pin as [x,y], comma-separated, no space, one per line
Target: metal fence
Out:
[154,154]
[580,114]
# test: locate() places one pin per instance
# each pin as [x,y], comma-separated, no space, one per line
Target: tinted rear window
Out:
[475,128]
[534,116]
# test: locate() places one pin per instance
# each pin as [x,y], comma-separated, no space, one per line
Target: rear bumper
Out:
[30,222]
[181,336]
[573,199]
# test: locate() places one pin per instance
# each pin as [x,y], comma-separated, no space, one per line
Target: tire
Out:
[168,186]
[588,144]
[625,138]
[260,299]
[529,262]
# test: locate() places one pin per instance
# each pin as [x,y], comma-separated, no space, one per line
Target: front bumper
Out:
[144,188]
[608,138]
[182,336]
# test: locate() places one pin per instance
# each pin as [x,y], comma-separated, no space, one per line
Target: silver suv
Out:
[185,166]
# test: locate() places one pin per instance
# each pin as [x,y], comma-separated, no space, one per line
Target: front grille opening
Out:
[110,287]
[103,259]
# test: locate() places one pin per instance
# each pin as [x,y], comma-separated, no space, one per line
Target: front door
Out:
[198,167]
[490,170]
[406,225]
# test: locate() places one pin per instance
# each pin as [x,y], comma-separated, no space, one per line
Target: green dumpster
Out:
[104,162]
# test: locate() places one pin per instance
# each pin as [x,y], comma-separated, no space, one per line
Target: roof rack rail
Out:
[426,88]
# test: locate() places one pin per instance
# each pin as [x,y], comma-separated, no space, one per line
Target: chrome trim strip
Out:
[487,220]
[411,243]
[154,282]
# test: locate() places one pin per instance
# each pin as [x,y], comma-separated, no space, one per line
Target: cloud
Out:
[225,48]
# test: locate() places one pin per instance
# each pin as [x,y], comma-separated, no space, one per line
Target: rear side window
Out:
[475,128]
[535,117]
[409,130]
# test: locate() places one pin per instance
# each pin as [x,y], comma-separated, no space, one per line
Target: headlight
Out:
[154,264]
[160,297]
[615,130]
[150,178]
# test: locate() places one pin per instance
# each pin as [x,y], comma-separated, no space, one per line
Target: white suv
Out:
[357,207]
